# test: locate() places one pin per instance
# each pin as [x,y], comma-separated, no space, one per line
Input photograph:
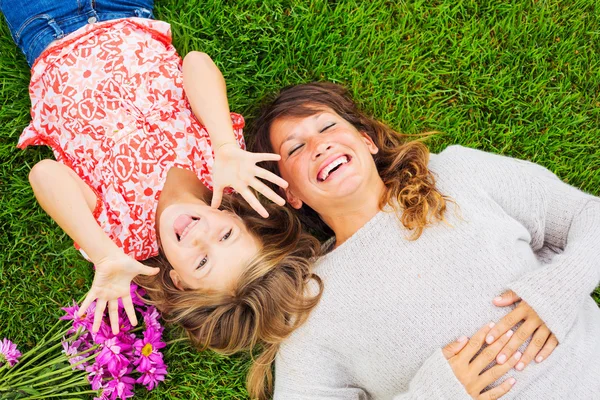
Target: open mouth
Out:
[183,225]
[329,169]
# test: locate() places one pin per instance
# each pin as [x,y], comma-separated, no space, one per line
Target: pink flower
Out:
[95,375]
[151,317]
[148,350]
[121,386]
[136,293]
[113,355]
[153,376]
[70,349]
[85,321]
[9,352]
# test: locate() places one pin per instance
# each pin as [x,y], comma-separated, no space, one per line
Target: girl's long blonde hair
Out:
[268,302]
[401,162]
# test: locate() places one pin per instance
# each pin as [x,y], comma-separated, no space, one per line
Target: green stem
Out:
[57,371]
[63,395]
[176,341]
[24,372]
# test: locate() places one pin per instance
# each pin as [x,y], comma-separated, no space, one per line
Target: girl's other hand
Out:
[468,369]
[237,168]
[112,282]
[543,342]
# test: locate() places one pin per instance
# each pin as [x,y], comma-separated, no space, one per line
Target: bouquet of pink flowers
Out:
[70,358]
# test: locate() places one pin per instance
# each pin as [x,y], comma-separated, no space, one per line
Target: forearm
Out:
[207,93]
[61,193]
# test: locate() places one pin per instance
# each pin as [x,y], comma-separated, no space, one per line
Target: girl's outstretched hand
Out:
[468,370]
[237,168]
[112,282]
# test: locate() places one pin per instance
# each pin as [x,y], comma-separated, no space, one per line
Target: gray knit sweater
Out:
[391,304]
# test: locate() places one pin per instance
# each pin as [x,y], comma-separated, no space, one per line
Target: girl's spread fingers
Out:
[267,192]
[271,177]
[129,310]
[537,343]
[87,302]
[548,348]
[113,314]
[488,354]
[506,323]
[254,203]
[498,391]
[523,333]
[98,314]
[498,371]
[217,197]
[452,349]
[266,157]
[475,343]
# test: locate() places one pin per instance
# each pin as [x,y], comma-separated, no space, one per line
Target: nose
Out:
[320,147]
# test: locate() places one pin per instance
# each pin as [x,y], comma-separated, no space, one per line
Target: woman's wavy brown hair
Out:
[401,161]
[269,301]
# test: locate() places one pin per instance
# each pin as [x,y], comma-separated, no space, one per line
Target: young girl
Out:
[133,164]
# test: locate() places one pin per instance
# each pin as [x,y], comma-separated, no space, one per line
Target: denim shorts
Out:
[34,24]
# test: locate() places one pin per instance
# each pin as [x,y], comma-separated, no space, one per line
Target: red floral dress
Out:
[109,100]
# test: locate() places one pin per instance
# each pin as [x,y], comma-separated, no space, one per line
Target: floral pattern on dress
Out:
[109,100]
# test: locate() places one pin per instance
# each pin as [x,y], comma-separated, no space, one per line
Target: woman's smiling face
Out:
[207,248]
[324,158]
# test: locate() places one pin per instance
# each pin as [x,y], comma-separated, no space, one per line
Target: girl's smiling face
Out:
[207,248]
[324,158]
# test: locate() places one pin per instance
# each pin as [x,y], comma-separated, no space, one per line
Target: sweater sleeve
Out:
[556,215]
[308,372]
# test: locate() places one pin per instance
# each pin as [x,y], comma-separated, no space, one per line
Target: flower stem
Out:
[183,339]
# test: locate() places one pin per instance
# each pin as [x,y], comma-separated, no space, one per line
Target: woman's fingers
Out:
[497,371]
[523,333]
[254,203]
[488,354]
[129,310]
[498,391]
[475,343]
[113,315]
[506,299]
[548,348]
[506,323]
[535,346]
[452,349]
[271,177]
[267,192]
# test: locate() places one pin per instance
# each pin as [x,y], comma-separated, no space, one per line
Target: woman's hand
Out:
[460,353]
[112,282]
[543,341]
[237,168]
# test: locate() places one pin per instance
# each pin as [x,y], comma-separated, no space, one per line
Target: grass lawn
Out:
[517,78]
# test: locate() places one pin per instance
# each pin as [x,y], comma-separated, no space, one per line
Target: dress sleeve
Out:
[557,216]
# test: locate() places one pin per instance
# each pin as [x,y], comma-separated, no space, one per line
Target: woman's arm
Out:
[555,214]
[234,167]
[70,202]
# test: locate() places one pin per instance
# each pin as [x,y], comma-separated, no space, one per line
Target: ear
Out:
[176,279]
[373,149]
[292,199]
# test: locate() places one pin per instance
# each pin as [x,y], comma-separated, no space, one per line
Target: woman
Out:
[421,245]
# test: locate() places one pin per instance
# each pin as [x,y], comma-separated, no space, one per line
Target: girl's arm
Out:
[234,167]
[70,203]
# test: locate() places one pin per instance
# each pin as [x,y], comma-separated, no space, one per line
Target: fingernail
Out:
[518,355]
[462,339]
[501,358]
[509,333]
[489,339]
[539,359]
[512,381]
[497,298]
[520,366]
[491,324]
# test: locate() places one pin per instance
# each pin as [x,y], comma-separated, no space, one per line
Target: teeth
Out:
[335,163]
[188,228]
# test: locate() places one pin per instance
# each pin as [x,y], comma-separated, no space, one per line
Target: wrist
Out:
[219,146]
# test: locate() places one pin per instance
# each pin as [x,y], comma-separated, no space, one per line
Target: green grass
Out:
[518,78]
